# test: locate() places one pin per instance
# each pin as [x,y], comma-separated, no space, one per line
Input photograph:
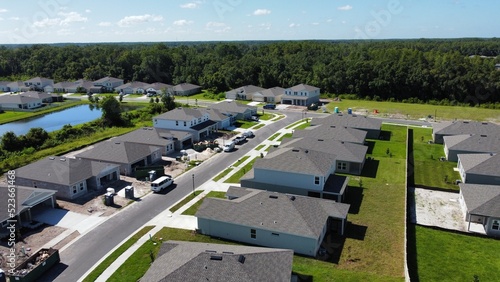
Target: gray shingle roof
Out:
[297,215]
[186,114]
[118,152]
[145,135]
[273,92]
[61,170]
[185,87]
[481,199]
[159,86]
[333,132]
[297,160]
[344,151]
[303,87]
[465,127]
[106,79]
[232,107]
[215,114]
[474,143]
[354,121]
[482,164]
[179,261]
[133,85]
[36,94]
[26,197]
[247,89]
[18,99]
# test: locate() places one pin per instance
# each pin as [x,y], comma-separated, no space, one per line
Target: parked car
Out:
[270,106]
[239,139]
[248,134]
[228,147]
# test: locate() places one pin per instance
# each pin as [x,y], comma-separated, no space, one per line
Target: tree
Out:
[111,111]
[120,98]
[168,101]
[10,142]
[35,137]
[157,100]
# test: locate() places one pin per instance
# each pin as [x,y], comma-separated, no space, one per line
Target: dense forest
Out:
[456,71]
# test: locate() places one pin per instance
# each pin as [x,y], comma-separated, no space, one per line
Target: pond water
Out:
[53,121]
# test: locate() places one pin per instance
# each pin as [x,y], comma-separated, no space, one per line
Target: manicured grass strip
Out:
[185,200]
[294,124]
[447,256]
[245,124]
[287,135]
[222,174]
[260,125]
[274,136]
[212,194]
[266,116]
[302,126]
[235,178]
[259,147]
[113,256]
[138,264]
[278,117]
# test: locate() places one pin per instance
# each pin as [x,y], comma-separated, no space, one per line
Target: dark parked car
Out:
[270,106]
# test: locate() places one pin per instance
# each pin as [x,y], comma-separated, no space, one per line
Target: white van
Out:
[228,147]
[161,183]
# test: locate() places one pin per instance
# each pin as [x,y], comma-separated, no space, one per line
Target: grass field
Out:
[429,170]
[194,208]
[235,178]
[185,200]
[416,111]
[447,256]
[10,116]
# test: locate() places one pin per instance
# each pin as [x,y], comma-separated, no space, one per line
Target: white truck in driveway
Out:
[161,183]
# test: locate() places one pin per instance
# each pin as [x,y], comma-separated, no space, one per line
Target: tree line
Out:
[458,70]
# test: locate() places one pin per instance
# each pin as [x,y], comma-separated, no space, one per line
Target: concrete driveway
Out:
[68,219]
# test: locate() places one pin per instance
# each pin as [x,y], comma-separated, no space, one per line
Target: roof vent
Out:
[295,150]
[229,253]
[354,115]
[466,122]
[273,196]
[483,135]
[292,198]
[210,251]
[275,222]
[306,151]
[332,126]
[484,123]
[215,257]
[321,140]
[241,259]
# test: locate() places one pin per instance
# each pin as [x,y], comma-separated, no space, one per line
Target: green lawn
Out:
[429,170]
[212,194]
[274,136]
[415,111]
[245,123]
[266,116]
[260,125]
[447,256]
[185,200]
[118,252]
[259,147]
[235,178]
[222,174]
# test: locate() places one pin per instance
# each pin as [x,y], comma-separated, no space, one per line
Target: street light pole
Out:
[193,184]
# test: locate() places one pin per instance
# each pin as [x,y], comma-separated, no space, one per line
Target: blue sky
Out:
[56,21]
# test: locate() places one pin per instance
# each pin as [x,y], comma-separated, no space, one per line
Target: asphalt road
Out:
[79,257]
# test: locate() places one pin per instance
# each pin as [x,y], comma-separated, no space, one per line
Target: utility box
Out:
[129,192]
[109,199]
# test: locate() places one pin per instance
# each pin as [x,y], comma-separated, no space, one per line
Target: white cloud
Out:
[1,19]
[47,22]
[189,5]
[14,18]
[316,23]
[65,31]
[261,12]
[218,27]
[329,20]
[105,24]
[88,11]
[71,17]
[294,25]
[182,22]
[345,8]
[3,10]
[131,20]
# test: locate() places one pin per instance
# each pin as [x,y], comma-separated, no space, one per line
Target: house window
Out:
[34,184]
[199,119]
[316,180]
[495,225]
[81,186]
[74,189]
[176,123]
[253,233]
[275,234]
[156,121]
[184,123]
[342,166]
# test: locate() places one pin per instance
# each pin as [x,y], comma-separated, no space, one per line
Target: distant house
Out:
[149,136]
[479,168]
[301,95]
[186,89]
[40,84]
[106,84]
[272,219]
[349,157]
[179,261]
[243,93]
[70,178]
[45,97]
[82,86]
[4,86]
[497,67]
[64,86]
[159,88]
[370,125]
[127,155]
[441,129]
[135,87]
[26,199]
[17,86]
[195,121]
[333,132]
[470,144]
[18,101]
[481,204]
[234,109]
[271,95]
[298,171]
[223,120]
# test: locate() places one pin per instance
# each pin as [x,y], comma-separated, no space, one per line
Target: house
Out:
[186,89]
[135,87]
[159,88]
[272,219]
[70,178]
[17,86]
[441,129]
[223,121]
[26,199]
[298,171]
[235,110]
[19,101]
[243,93]
[497,67]
[479,168]
[301,95]
[82,86]
[45,97]
[271,95]
[4,86]
[333,132]
[127,155]
[470,144]
[106,84]
[181,261]
[195,121]
[65,86]
[149,136]
[40,84]
[481,204]
[349,157]
[370,125]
